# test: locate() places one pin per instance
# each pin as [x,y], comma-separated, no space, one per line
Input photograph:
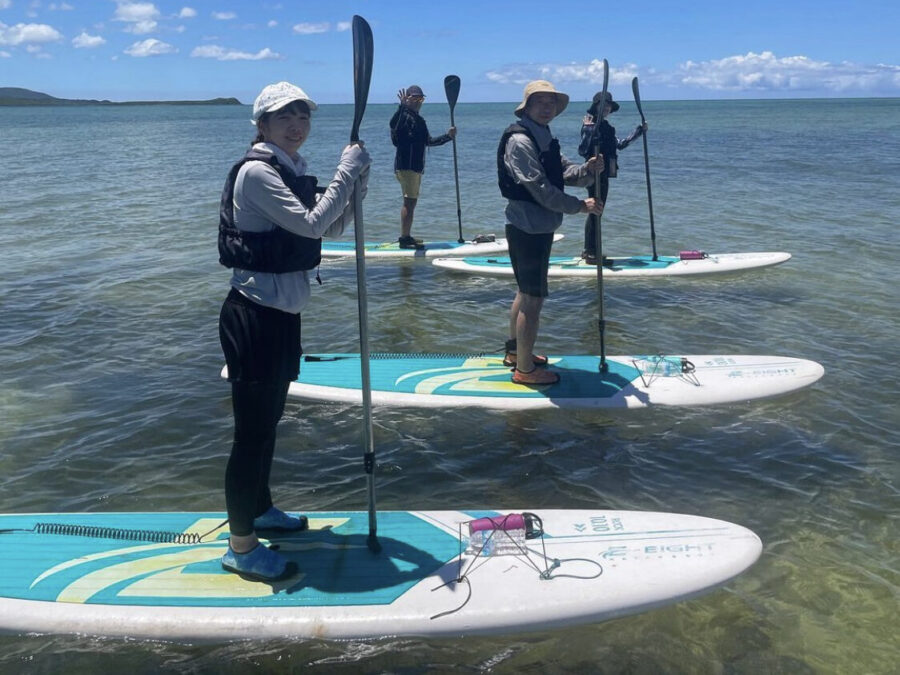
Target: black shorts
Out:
[261,344]
[530,257]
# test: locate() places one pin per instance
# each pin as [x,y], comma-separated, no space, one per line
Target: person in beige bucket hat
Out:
[542,87]
[532,174]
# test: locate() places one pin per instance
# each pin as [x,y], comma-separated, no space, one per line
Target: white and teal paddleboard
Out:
[143,575]
[431,249]
[459,380]
[621,267]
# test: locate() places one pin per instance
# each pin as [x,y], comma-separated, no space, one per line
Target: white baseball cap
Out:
[276,96]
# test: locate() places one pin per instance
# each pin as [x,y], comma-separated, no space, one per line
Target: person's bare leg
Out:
[407,212]
[528,322]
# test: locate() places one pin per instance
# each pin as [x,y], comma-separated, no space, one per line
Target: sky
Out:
[699,49]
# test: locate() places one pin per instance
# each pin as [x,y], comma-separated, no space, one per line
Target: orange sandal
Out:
[535,376]
[510,359]
[537,359]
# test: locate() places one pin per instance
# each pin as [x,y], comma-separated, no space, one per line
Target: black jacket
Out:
[409,134]
[604,136]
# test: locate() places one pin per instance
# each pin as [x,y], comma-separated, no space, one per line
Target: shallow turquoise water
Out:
[111,400]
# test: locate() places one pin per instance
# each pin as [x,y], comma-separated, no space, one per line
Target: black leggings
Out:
[257,409]
[262,350]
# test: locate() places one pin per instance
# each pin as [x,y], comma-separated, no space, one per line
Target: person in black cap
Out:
[409,134]
[601,138]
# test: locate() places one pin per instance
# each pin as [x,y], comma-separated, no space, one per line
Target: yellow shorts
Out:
[410,182]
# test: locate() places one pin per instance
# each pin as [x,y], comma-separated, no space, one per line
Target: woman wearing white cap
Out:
[271,221]
[532,174]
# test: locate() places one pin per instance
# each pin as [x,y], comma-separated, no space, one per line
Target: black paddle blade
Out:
[637,97]
[362,71]
[451,88]
[605,77]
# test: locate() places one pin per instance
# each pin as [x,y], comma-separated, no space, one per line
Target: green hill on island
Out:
[20,96]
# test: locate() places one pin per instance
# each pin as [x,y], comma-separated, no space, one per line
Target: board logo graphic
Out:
[166,570]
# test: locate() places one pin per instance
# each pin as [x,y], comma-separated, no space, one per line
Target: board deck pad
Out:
[481,380]
[431,249]
[630,266]
[105,574]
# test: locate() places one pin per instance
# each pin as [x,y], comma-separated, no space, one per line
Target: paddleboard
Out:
[431,249]
[127,574]
[481,380]
[632,266]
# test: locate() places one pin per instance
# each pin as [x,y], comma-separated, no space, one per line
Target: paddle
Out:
[451,88]
[362,76]
[637,101]
[601,322]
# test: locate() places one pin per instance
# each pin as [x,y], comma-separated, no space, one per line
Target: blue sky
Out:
[699,49]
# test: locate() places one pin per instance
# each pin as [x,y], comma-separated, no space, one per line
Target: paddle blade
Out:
[451,88]
[362,71]
[637,97]
[605,76]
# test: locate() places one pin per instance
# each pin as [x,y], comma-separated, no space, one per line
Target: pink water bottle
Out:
[499,535]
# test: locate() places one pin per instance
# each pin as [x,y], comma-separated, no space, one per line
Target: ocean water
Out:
[111,398]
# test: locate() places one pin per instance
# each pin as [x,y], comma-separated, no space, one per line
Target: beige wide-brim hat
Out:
[542,87]
[276,96]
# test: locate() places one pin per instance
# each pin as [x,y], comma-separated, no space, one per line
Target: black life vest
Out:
[279,250]
[551,160]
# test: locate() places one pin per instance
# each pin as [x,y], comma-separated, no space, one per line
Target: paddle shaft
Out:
[637,101]
[451,88]
[598,235]
[362,75]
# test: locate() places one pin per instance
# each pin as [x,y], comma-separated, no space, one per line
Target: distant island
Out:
[19,96]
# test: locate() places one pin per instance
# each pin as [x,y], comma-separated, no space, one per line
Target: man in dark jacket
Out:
[409,134]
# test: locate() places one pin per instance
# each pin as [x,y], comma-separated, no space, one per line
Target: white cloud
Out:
[140,16]
[5,4]
[133,12]
[23,33]
[344,25]
[591,72]
[187,13]
[222,54]
[141,27]
[272,23]
[85,41]
[751,72]
[765,72]
[311,28]
[5,55]
[150,47]
[63,7]
[224,16]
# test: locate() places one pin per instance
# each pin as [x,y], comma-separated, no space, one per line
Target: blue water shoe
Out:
[258,564]
[276,519]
